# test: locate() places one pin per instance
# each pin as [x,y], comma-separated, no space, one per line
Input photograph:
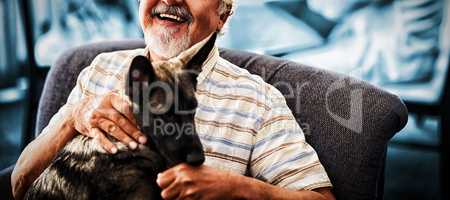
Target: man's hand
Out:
[188,182]
[110,114]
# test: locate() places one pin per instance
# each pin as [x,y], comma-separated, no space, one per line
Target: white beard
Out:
[161,41]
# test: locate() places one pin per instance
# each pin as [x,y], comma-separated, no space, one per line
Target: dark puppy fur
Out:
[164,105]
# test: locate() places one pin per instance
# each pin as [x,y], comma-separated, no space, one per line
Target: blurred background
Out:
[399,45]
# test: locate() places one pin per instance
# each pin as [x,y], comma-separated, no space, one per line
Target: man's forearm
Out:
[38,155]
[250,188]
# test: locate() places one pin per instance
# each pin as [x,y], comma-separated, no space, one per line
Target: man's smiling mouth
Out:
[171,13]
[170,17]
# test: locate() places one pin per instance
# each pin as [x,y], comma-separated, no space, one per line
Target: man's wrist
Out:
[68,126]
[247,188]
[63,129]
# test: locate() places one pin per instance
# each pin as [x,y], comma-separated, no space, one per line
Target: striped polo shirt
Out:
[243,123]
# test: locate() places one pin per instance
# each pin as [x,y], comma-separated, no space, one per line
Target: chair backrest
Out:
[445,55]
[347,121]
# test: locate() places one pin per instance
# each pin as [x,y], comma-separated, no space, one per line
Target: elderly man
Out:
[254,148]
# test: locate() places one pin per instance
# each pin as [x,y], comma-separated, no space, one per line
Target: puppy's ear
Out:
[141,69]
[187,82]
[140,75]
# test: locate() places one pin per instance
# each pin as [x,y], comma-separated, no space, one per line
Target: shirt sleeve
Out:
[75,96]
[280,155]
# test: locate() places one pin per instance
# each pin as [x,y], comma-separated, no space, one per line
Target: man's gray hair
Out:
[226,7]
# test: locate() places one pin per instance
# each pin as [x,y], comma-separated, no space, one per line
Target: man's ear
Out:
[223,20]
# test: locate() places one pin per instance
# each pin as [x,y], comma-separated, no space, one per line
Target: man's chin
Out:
[167,42]
[167,49]
[166,53]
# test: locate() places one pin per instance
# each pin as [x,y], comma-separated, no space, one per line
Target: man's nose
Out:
[172,2]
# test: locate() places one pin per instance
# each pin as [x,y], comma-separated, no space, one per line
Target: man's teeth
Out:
[171,17]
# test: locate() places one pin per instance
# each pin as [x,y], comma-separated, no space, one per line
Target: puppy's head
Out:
[164,105]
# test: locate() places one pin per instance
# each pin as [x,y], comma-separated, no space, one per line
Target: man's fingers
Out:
[127,126]
[124,107]
[165,178]
[111,128]
[166,182]
[171,192]
[104,142]
[128,122]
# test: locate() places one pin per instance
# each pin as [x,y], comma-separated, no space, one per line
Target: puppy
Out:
[164,106]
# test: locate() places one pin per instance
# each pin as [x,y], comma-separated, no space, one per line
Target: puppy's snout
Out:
[195,158]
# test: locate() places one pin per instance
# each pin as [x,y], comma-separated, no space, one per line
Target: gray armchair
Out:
[348,122]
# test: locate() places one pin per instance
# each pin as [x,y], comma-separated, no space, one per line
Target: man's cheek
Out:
[145,12]
[145,20]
